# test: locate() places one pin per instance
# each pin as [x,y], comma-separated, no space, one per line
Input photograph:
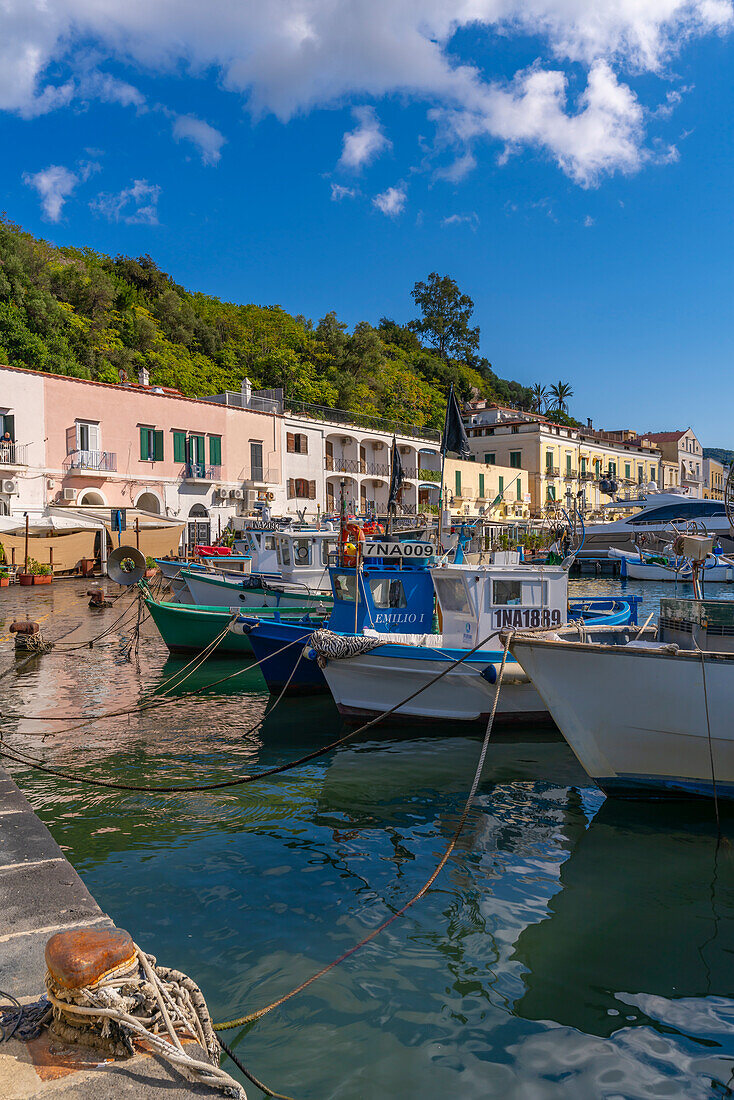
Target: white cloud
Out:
[54,184]
[338,192]
[291,57]
[365,143]
[462,166]
[472,220]
[392,201]
[588,221]
[134,205]
[208,140]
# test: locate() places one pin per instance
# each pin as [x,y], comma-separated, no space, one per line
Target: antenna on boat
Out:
[729,498]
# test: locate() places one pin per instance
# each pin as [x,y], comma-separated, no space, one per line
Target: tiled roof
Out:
[663,437]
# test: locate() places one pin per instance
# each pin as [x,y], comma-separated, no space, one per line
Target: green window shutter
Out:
[458,483]
[481,486]
[568,464]
[549,460]
[519,488]
[515,459]
[179,446]
[582,462]
[215,450]
[490,458]
[158,446]
[144,455]
[501,485]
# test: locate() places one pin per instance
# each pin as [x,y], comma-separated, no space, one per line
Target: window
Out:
[515,429]
[300,487]
[640,474]
[582,465]
[84,436]
[328,552]
[256,461]
[518,483]
[501,485]
[550,492]
[627,470]
[296,444]
[215,450]
[489,431]
[388,593]
[515,457]
[302,551]
[452,594]
[458,483]
[345,587]
[179,446]
[507,592]
[284,551]
[151,445]
[481,486]
[549,460]
[568,464]
[7,424]
[198,452]
[490,458]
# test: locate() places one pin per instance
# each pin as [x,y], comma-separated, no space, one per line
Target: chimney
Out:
[246,393]
[144,376]
[588,423]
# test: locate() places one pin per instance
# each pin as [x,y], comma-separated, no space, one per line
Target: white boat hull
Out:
[374,682]
[636,719]
[650,571]
[205,592]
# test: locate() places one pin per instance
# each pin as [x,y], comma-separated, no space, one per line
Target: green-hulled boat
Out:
[189,628]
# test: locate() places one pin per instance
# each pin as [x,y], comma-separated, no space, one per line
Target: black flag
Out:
[454,433]
[396,476]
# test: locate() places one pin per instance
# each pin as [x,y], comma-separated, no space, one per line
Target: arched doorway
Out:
[199,528]
[149,502]
[90,497]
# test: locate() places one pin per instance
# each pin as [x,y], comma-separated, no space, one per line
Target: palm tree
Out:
[560,394]
[540,396]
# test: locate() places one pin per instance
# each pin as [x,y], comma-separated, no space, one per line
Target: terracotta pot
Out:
[4,582]
[39,578]
[150,572]
[25,578]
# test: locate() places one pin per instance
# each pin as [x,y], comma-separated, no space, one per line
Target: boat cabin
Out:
[295,555]
[391,597]
[475,600]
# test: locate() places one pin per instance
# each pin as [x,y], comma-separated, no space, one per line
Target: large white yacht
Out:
[656,513]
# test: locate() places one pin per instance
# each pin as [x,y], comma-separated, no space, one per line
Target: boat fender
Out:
[247,628]
[310,653]
[489,674]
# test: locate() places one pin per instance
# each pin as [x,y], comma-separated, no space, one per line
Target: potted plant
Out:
[41,574]
[150,567]
[4,575]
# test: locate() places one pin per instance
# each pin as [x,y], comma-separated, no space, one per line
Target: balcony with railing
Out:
[262,475]
[90,462]
[587,475]
[199,471]
[552,471]
[338,465]
[569,474]
[13,454]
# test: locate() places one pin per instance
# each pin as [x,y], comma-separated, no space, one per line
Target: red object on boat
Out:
[213,551]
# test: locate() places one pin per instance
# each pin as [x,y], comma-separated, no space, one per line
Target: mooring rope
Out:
[20,757]
[251,1017]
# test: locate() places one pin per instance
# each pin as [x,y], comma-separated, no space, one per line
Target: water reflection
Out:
[570,948]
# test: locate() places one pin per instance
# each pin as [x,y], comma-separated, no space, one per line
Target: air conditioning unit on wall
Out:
[236,494]
[69,494]
[10,485]
[221,494]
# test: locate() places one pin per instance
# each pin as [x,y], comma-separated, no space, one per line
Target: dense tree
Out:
[78,312]
[446,314]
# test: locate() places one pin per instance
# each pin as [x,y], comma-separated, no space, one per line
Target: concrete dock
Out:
[41,893]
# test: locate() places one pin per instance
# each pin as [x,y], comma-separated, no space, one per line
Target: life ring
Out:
[351,537]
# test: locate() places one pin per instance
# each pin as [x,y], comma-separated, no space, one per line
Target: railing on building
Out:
[361,466]
[263,475]
[13,454]
[570,474]
[258,402]
[361,420]
[552,471]
[96,461]
[199,471]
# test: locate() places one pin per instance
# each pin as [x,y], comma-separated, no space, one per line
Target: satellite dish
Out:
[126,565]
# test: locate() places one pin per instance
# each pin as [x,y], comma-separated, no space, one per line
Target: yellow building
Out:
[714,477]
[568,465]
[480,488]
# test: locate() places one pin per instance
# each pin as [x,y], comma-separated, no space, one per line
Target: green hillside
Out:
[720,454]
[78,312]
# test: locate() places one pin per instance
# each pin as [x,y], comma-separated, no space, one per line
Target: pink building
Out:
[136,445]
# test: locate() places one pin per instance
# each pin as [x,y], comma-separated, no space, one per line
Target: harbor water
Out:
[573,947]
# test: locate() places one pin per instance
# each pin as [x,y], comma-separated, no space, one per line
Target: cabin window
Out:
[269,542]
[302,551]
[328,550]
[452,594]
[284,552]
[388,593]
[506,592]
[344,587]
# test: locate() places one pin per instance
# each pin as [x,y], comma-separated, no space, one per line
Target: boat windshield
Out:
[452,594]
[344,587]
[388,593]
[679,512]
[302,551]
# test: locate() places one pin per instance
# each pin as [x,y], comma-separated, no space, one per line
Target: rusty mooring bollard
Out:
[84,956]
[97,598]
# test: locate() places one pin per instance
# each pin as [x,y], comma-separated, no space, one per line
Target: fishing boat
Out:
[402,650]
[649,566]
[190,629]
[647,716]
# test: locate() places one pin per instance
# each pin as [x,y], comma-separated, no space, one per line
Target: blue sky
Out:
[569,162]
